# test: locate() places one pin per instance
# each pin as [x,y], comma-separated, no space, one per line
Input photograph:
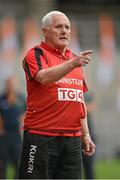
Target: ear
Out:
[45,32]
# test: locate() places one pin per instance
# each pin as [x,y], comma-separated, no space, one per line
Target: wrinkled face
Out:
[57,34]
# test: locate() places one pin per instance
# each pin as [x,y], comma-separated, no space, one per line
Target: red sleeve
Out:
[34,62]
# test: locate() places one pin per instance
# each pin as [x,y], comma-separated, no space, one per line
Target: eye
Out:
[58,26]
[67,27]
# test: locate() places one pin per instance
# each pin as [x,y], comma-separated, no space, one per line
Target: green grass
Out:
[107,169]
[104,169]
[10,172]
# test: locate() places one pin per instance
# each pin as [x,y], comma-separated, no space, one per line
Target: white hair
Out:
[46,20]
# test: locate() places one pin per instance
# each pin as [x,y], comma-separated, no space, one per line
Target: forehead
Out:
[60,19]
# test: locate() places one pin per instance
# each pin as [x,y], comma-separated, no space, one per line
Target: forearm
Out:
[84,124]
[55,73]
[88,144]
[85,129]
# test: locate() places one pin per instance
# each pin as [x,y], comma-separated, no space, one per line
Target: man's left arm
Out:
[88,144]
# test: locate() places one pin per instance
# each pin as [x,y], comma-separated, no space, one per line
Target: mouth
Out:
[63,38]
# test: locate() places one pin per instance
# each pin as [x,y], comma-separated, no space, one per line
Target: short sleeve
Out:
[34,62]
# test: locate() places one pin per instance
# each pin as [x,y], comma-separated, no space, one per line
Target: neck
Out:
[61,49]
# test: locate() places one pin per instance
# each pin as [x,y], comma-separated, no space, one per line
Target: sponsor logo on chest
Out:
[70,94]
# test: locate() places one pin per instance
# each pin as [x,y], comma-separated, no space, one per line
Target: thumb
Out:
[87,148]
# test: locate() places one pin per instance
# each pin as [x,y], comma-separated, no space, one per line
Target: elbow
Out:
[44,81]
[41,78]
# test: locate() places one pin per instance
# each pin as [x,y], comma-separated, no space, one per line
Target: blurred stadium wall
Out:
[96,25]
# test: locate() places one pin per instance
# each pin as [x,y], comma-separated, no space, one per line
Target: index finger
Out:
[87,52]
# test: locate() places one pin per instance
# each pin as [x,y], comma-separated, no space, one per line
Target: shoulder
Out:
[33,54]
[35,50]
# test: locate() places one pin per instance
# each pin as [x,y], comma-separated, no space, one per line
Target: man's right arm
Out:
[55,73]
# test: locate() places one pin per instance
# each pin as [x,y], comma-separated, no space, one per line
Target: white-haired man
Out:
[56,114]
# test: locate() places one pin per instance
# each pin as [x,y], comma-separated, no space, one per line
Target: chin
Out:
[63,45]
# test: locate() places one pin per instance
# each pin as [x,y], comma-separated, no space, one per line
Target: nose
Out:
[64,30]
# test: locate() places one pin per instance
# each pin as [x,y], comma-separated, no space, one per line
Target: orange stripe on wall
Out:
[107,38]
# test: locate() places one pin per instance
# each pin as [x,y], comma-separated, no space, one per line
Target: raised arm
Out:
[54,73]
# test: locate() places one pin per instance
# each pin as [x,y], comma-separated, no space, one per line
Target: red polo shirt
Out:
[56,108]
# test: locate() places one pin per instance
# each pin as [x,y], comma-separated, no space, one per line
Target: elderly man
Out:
[55,123]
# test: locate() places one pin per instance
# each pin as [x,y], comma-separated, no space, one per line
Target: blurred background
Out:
[96,26]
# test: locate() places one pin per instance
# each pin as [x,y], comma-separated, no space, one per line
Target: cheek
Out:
[69,34]
[52,36]
[55,36]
